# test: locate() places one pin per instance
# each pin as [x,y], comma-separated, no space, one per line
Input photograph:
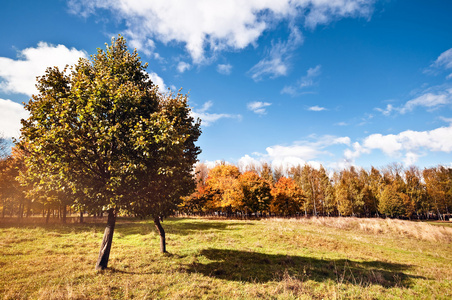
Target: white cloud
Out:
[258,107]
[157,80]
[306,81]
[429,100]
[408,144]
[410,158]
[389,144]
[248,161]
[143,45]
[224,69]
[301,152]
[183,66]
[351,155]
[316,108]
[10,115]
[387,111]
[324,11]
[19,76]
[207,118]
[218,25]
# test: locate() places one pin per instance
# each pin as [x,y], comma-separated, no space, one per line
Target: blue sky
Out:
[338,83]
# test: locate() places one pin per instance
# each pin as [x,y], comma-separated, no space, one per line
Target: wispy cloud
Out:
[316,108]
[207,118]
[431,99]
[386,111]
[443,62]
[258,107]
[224,69]
[277,61]
[310,79]
[19,76]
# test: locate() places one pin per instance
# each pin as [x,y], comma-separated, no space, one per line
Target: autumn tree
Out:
[288,197]
[348,192]
[394,203]
[266,173]
[8,185]
[11,192]
[256,192]
[105,131]
[368,196]
[438,182]
[415,189]
[375,184]
[326,195]
[223,180]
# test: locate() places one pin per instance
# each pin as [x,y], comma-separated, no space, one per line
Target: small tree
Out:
[105,132]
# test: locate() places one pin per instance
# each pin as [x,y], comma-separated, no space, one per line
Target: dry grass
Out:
[229,259]
[409,229]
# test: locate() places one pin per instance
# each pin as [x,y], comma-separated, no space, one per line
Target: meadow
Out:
[308,258]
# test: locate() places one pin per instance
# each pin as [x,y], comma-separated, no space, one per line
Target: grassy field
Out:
[331,258]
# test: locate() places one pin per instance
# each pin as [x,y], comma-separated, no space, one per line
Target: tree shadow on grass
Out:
[247,266]
[124,225]
[186,226]
[177,226]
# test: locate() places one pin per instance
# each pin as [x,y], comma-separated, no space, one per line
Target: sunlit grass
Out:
[230,259]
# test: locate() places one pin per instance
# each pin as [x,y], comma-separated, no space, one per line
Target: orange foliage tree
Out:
[288,198]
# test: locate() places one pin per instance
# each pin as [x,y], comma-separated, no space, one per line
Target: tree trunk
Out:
[162,234]
[48,216]
[81,216]
[104,253]
[63,210]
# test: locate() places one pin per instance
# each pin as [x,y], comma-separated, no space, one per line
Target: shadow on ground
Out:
[124,225]
[247,266]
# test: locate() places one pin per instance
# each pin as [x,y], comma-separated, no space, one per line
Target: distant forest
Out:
[261,190]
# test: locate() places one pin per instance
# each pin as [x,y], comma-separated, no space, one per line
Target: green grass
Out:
[341,258]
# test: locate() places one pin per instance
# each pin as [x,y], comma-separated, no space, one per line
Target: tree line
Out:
[261,190]
[225,189]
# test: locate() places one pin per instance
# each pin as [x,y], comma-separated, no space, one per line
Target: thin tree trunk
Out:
[104,253]
[48,216]
[162,234]
[63,210]
[81,216]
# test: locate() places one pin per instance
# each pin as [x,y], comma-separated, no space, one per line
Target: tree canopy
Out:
[103,134]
